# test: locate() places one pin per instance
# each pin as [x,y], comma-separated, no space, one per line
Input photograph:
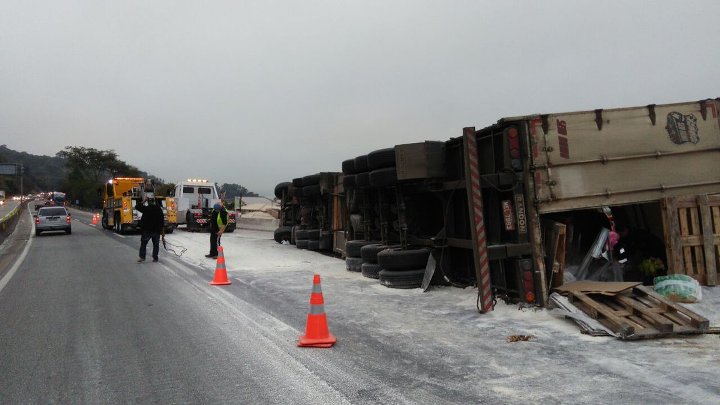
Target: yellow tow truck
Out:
[121,194]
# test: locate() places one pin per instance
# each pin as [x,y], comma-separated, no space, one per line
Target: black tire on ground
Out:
[348,166]
[353,264]
[349,181]
[301,244]
[169,230]
[370,270]
[352,247]
[311,180]
[402,279]
[313,244]
[68,231]
[282,233]
[369,252]
[362,179]
[297,182]
[37,233]
[296,191]
[311,190]
[381,158]
[361,164]
[282,187]
[383,177]
[230,229]
[399,259]
[313,234]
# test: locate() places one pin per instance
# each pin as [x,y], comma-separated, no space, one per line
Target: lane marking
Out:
[6,279]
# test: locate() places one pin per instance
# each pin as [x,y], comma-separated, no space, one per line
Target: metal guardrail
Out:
[7,217]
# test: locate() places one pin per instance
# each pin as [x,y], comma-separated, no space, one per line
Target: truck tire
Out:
[353,264]
[282,188]
[403,259]
[297,182]
[301,234]
[381,158]
[348,166]
[301,244]
[313,234]
[369,252]
[169,229]
[361,164]
[370,270]
[349,181]
[311,190]
[230,229]
[104,220]
[384,177]
[402,278]
[313,244]
[352,247]
[282,233]
[362,179]
[311,180]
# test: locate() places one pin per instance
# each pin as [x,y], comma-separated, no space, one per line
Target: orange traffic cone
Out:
[95,219]
[316,331]
[220,271]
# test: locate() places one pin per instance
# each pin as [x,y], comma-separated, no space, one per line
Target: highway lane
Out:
[83,323]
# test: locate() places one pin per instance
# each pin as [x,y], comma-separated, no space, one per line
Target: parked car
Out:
[52,219]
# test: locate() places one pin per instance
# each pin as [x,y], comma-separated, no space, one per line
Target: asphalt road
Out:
[82,322]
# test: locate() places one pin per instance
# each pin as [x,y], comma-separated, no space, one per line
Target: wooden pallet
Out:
[692,236]
[640,313]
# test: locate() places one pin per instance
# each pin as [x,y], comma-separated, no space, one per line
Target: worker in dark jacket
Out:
[152,225]
[218,222]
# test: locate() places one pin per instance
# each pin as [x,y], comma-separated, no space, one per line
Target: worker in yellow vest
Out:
[218,222]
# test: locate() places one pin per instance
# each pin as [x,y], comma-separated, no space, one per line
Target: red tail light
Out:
[67,219]
[197,214]
[514,147]
[37,220]
[528,283]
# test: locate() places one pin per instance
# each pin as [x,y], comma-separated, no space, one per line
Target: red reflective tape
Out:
[316,299]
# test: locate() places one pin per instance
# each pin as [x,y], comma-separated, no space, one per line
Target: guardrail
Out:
[8,217]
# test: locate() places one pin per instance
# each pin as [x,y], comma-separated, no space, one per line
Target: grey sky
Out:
[258,92]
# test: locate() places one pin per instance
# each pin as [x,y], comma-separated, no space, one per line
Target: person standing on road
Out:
[218,222]
[152,224]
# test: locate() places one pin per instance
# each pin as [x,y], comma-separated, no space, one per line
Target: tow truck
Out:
[121,194]
[195,200]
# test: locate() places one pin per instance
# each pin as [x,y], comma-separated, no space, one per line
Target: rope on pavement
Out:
[173,247]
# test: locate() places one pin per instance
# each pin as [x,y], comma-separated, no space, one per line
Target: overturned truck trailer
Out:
[500,185]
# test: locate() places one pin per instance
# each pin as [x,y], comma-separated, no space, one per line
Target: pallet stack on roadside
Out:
[634,311]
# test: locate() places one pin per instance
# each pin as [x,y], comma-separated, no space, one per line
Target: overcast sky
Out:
[259,92]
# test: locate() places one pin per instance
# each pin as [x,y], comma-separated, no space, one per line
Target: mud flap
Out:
[429,272]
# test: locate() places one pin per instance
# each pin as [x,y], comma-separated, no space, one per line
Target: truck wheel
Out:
[230,229]
[297,182]
[362,179]
[311,180]
[381,158]
[383,177]
[402,279]
[399,259]
[369,252]
[169,229]
[282,233]
[313,234]
[349,180]
[301,234]
[352,247]
[189,221]
[353,264]
[311,190]
[313,245]
[348,166]
[104,221]
[361,164]
[301,244]
[370,270]
[282,187]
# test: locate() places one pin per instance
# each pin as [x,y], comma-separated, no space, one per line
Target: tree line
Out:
[81,173]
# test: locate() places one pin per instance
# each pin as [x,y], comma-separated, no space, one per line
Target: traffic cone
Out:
[220,271]
[316,331]
[95,219]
